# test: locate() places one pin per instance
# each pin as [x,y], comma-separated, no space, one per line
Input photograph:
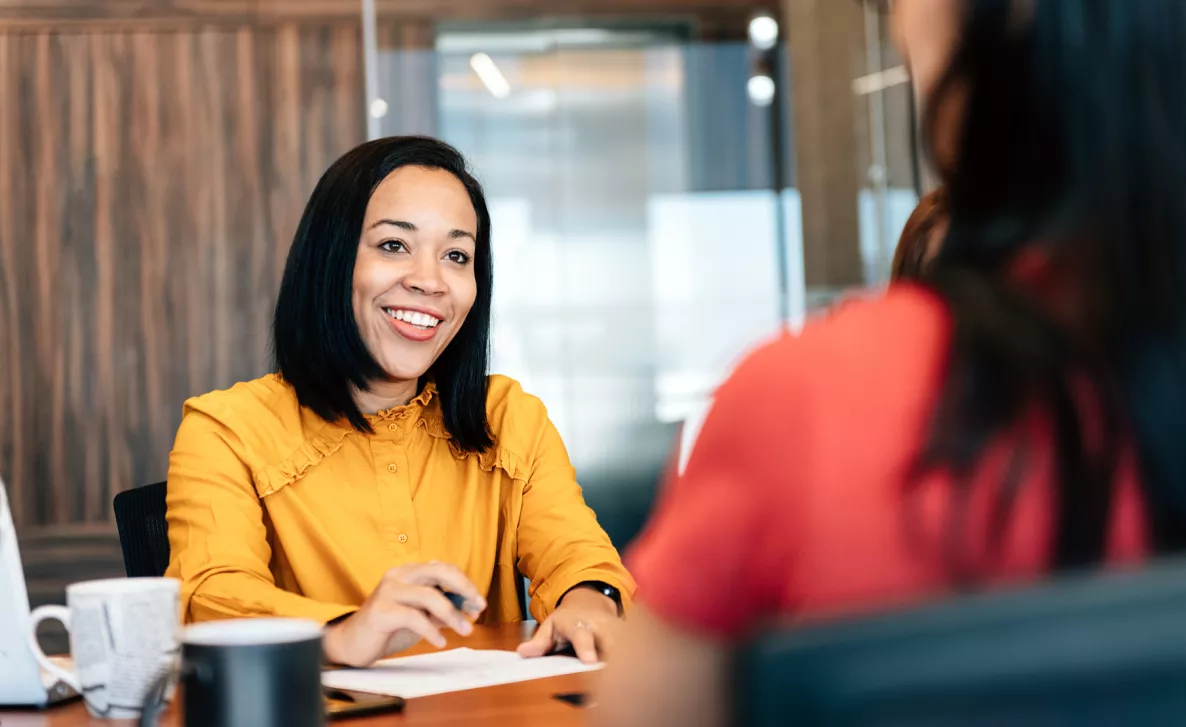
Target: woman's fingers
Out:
[540,643]
[590,634]
[449,577]
[404,617]
[434,604]
[584,643]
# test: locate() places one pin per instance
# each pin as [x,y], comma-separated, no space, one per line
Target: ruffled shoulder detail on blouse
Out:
[516,420]
[277,440]
[273,477]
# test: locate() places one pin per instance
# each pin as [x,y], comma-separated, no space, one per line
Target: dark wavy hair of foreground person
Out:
[914,248]
[1072,146]
[317,347]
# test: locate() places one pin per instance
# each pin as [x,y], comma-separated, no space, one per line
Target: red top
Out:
[793,500]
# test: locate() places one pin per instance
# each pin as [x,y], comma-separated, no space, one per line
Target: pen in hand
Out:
[457,600]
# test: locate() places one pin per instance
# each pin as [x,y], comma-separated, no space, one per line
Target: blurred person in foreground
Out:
[1018,414]
[382,463]
[921,238]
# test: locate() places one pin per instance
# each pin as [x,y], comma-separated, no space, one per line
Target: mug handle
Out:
[41,613]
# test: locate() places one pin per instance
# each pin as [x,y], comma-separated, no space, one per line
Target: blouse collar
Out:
[414,407]
[424,409]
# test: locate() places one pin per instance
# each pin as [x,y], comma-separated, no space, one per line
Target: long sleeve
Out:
[560,541]
[218,539]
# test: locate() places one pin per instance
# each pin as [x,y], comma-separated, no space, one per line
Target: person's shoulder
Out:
[265,392]
[263,424]
[515,416]
[880,324]
[870,340]
[264,404]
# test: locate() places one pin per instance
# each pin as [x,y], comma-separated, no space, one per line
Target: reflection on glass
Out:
[635,223]
[890,186]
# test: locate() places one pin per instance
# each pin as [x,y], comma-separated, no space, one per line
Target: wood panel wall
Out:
[150,183]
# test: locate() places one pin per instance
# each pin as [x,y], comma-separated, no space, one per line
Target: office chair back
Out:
[1108,649]
[143,530]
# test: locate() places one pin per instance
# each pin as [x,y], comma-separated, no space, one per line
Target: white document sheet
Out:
[450,671]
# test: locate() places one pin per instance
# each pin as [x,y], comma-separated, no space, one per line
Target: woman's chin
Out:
[400,369]
[403,375]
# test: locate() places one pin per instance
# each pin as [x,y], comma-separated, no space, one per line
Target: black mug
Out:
[246,673]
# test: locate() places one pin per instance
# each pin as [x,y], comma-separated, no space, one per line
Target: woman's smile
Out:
[414,324]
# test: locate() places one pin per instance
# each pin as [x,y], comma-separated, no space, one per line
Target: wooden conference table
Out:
[523,704]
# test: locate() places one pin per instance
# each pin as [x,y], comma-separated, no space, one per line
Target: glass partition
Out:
[892,172]
[639,243]
[647,226]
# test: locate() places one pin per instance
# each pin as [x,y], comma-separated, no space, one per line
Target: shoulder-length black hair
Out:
[316,343]
[1072,144]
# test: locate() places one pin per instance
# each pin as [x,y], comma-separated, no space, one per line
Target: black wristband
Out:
[601,587]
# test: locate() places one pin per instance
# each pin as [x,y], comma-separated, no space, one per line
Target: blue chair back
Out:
[1107,649]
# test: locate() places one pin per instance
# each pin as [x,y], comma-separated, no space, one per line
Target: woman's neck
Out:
[385,395]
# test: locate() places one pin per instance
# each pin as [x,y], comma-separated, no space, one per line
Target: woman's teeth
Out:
[420,320]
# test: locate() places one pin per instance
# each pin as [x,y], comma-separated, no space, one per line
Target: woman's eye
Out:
[458,257]
[392,246]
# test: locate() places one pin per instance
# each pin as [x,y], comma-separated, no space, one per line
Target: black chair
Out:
[1107,649]
[143,530]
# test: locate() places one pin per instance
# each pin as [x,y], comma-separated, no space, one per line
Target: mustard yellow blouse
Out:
[275,512]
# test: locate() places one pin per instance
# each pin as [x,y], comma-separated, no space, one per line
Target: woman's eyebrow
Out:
[395,223]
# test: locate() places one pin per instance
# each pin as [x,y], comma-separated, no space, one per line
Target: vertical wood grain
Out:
[46,249]
[285,66]
[250,215]
[12,436]
[150,184]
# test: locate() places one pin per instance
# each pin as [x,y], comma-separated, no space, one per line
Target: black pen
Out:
[457,600]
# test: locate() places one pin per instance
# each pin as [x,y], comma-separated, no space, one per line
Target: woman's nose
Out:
[425,276]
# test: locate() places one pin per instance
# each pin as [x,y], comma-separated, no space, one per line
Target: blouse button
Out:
[403,538]
[392,468]
[392,427]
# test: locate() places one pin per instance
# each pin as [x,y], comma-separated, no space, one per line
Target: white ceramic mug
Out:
[123,635]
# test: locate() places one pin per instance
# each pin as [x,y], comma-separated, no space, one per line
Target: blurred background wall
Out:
[669,184]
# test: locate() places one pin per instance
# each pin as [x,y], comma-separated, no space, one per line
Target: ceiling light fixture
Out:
[491,76]
[761,90]
[763,32]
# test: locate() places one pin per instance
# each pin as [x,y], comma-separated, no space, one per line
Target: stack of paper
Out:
[450,671]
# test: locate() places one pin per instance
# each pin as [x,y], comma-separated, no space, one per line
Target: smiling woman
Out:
[381,465]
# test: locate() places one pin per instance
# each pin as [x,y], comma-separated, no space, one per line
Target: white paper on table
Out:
[450,671]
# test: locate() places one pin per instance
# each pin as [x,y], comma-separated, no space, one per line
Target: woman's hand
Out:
[403,609]
[585,618]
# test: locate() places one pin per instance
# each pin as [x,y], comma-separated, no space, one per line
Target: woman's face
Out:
[414,278]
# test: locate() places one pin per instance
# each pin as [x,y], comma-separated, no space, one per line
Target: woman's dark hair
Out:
[911,255]
[316,343]
[1071,151]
